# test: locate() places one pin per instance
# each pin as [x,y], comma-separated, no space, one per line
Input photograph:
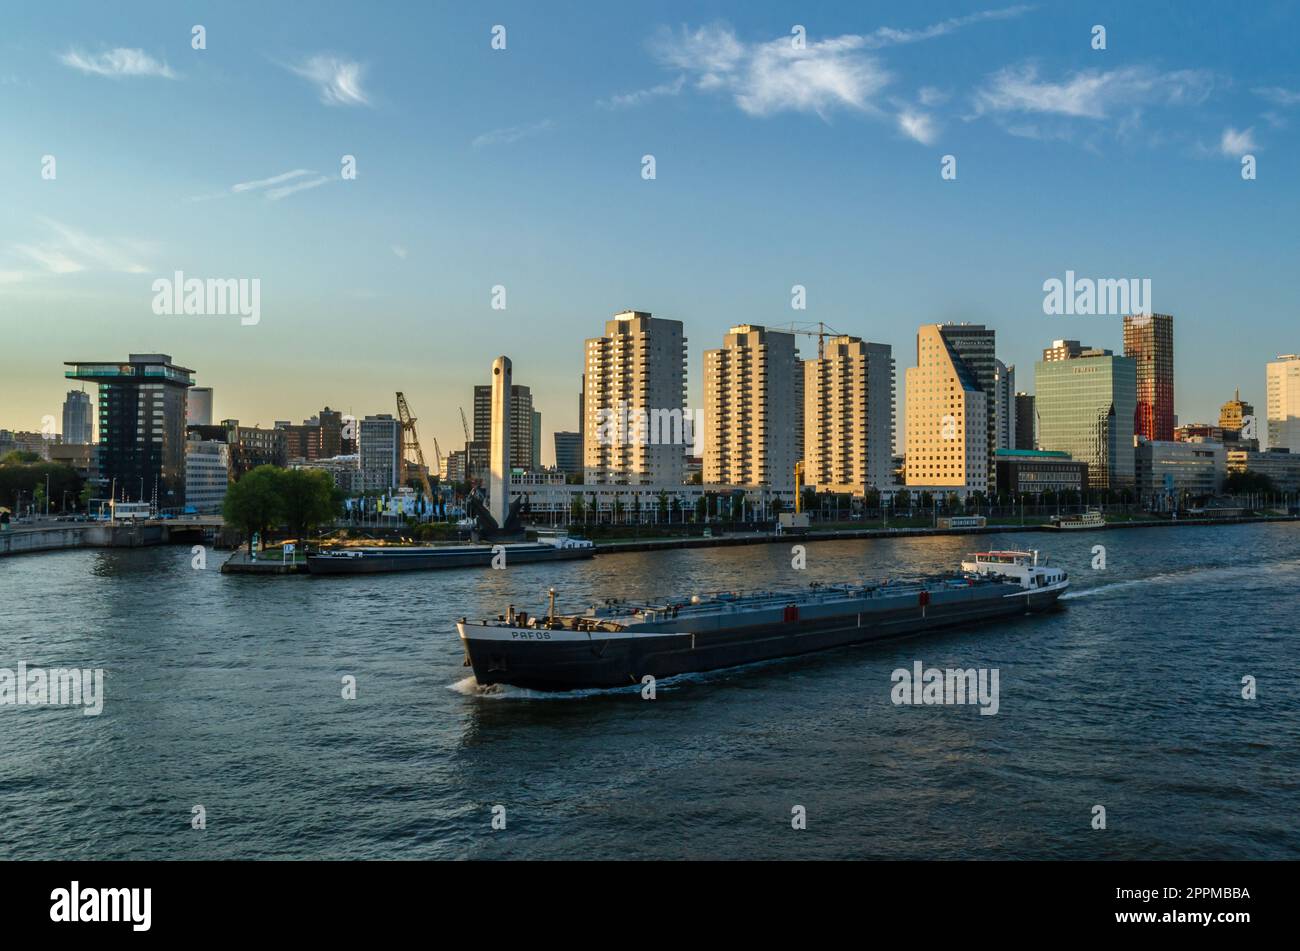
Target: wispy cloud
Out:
[337,80]
[512,133]
[642,96]
[812,76]
[1090,94]
[273,180]
[932,96]
[267,187]
[64,249]
[275,194]
[888,36]
[117,63]
[1278,96]
[399,251]
[776,76]
[1234,143]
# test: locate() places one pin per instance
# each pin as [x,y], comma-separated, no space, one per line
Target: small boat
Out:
[619,643]
[1090,519]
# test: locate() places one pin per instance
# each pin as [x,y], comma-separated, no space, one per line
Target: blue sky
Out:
[522,167]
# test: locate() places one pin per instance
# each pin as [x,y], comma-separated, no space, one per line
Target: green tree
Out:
[253,504]
[306,500]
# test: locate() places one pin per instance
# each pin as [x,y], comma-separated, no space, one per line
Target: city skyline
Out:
[386,281]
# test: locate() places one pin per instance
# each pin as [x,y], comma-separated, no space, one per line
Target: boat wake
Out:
[470,687]
[1200,574]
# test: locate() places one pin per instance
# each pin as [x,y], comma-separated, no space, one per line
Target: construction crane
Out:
[411,443]
[464,425]
[821,332]
[437,456]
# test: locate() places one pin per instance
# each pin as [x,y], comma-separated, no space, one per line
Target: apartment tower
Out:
[750,408]
[635,429]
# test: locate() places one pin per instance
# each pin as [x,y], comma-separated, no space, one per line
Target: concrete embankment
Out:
[102,535]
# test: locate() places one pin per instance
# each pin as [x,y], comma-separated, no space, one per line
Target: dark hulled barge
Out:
[619,643]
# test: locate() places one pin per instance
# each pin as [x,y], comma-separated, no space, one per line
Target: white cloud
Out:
[338,80]
[1089,94]
[918,126]
[275,194]
[1234,144]
[116,63]
[400,251]
[629,99]
[512,134]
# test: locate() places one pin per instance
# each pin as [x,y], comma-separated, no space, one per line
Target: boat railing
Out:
[816,593]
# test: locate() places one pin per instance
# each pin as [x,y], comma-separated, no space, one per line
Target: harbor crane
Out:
[411,443]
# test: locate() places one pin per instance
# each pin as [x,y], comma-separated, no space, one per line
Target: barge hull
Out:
[562,660]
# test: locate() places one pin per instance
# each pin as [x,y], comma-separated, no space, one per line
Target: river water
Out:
[226,692]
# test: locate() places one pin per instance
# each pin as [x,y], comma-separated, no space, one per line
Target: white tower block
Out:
[499,443]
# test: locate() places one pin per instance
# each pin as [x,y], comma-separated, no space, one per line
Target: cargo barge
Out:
[619,643]
[364,561]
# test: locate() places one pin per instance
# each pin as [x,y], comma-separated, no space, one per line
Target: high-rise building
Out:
[1026,422]
[198,408]
[1063,350]
[1004,391]
[1085,407]
[521,425]
[1149,342]
[1233,415]
[141,425]
[749,408]
[568,453]
[947,416]
[1283,402]
[975,345]
[78,418]
[536,432]
[635,428]
[381,452]
[848,415]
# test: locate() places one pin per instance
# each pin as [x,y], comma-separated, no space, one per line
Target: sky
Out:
[781,158]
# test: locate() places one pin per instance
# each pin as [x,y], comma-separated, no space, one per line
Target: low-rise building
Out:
[1280,465]
[1035,471]
[1167,470]
[346,472]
